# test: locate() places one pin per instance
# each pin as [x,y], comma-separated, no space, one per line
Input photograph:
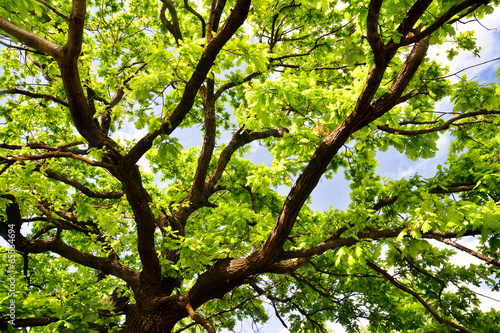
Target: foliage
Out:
[121,224]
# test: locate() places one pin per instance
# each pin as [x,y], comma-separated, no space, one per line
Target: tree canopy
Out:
[118,226]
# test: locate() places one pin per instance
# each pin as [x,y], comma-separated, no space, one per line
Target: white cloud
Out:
[487,34]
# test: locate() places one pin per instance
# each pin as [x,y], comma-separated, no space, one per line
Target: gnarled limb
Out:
[81,112]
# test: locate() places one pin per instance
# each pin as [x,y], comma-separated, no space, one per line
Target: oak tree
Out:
[119,225]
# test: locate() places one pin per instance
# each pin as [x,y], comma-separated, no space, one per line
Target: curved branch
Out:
[452,188]
[295,55]
[81,112]
[55,154]
[372,33]
[410,95]
[217,14]
[442,127]
[489,260]
[208,140]
[239,139]
[398,285]
[230,85]
[53,9]
[235,20]
[334,243]
[173,26]
[200,320]
[232,308]
[63,148]
[17,91]
[195,13]
[79,186]
[199,198]
[54,244]
[31,39]
[439,22]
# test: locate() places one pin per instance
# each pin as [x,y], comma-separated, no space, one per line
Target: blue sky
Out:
[335,192]
[393,165]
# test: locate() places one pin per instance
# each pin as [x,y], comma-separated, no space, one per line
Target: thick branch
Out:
[53,244]
[334,243]
[210,21]
[75,30]
[81,112]
[415,12]
[30,39]
[405,74]
[217,14]
[442,20]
